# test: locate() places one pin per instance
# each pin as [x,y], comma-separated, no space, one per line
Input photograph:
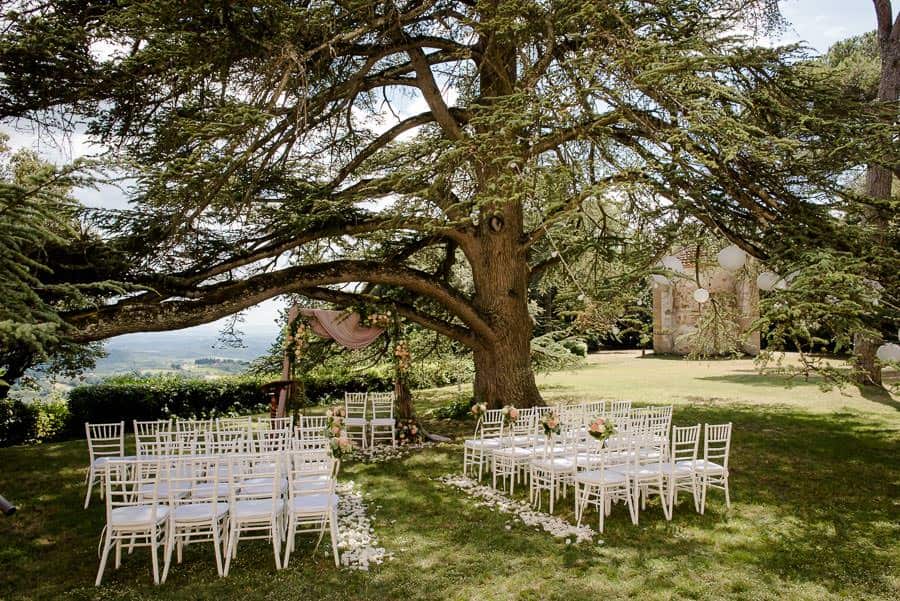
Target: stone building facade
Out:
[676,313]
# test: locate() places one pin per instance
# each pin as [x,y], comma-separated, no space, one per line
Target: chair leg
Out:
[217,549]
[118,554]
[154,540]
[90,486]
[703,485]
[232,535]
[601,508]
[276,544]
[332,523]
[167,552]
[727,495]
[289,544]
[106,545]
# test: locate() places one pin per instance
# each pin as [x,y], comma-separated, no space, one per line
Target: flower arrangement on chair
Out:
[340,445]
[478,409]
[510,414]
[335,423]
[601,429]
[550,422]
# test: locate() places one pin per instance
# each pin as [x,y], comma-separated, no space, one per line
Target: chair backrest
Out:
[226,442]
[619,409]
[105,440]
[717,443]
[275,423]
[356,403]
[267,473]
[311,473]
[489,425]
[685,442]
[130,483]
[274,441]
[234,423]
[152,437]
[592,410]
[382,404]
[522,426]
[179,476]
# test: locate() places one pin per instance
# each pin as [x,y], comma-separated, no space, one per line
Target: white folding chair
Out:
[105,441]
[275,423]
[382,405]
[678,470]
[554,467]
[712,470]
[356,408]
[603,484]
[256,506]
[312,502]
[486,438]
[194,518]
[311,434]
[645,469]
[138,518]
[509,461]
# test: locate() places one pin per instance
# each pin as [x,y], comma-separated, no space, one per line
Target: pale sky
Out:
[816,23]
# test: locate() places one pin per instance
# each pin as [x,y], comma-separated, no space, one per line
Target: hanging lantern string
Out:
[565,265]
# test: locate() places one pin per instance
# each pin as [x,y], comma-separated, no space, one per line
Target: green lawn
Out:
[816,513]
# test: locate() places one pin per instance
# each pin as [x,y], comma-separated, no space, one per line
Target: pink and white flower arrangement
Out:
[510,414]
[478,409]
[340,446]
[601,428]
[550,422]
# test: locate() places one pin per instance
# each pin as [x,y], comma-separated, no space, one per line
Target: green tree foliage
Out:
[271,162]
[37,219]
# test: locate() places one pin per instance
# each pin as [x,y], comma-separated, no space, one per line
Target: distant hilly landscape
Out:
[159,351]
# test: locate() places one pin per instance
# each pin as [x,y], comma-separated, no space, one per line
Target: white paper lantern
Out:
[701,295]
[673,264]
[767,280]
[888,352]
[660,280]
[732,257]
[781,284]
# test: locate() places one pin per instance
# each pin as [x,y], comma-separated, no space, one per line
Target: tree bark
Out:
[879,178]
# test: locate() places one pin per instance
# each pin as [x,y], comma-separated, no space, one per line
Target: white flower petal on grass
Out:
[357,543]
[486,496]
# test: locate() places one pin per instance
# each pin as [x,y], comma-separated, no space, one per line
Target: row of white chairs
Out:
[163,438]
[171,503]
[644,457]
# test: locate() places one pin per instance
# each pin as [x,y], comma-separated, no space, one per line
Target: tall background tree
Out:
[38,231]
[424,154]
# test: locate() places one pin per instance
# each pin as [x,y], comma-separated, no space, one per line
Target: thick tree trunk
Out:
[500,270]
[879,179]
[868,369]
[503,376]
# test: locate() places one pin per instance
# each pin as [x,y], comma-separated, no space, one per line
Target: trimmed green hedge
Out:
[160,397]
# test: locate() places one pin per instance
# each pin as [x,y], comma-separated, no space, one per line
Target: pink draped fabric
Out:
[341,326]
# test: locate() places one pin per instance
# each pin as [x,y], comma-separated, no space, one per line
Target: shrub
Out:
[38,421]
[127,398]
[458,408]
[576,346]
